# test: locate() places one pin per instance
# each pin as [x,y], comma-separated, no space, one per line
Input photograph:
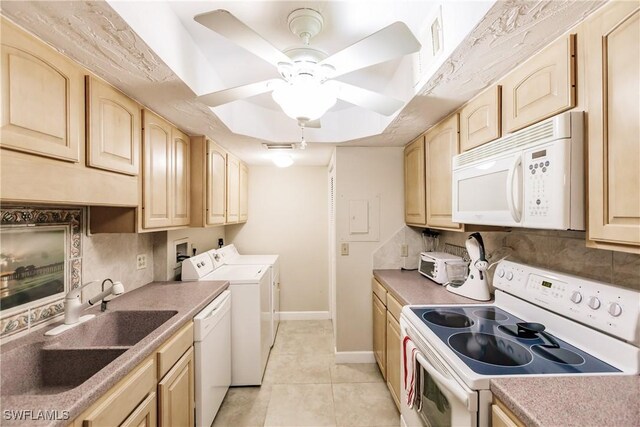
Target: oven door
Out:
[442,399]
[427,267]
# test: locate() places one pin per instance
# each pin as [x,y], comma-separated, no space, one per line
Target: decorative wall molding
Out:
[12,216]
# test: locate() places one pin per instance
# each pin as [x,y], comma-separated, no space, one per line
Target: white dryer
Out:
[229,255]
[250,313]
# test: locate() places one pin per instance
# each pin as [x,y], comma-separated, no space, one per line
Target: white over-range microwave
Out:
[533,178]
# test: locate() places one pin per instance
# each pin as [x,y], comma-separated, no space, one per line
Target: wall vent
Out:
[283,146]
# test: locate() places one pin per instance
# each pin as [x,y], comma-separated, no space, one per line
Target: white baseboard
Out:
[304,315]
[354,357]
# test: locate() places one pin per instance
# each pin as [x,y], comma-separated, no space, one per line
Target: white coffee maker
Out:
[476,285]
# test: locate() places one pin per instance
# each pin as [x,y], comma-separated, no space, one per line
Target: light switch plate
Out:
[141,261]
[404,250]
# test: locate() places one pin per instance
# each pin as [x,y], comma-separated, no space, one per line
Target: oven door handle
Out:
[514,208]
[449,385]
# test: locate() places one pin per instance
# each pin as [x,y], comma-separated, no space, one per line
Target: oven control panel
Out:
[609,308]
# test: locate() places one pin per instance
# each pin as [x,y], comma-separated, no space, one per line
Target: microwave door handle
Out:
[449,386]
[513,209]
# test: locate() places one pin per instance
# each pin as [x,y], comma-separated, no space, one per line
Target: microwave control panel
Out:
[544,182]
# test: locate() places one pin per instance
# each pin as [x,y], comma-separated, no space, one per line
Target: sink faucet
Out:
[73,306]
[103,304]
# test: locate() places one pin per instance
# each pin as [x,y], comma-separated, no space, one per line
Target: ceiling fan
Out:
[307,88]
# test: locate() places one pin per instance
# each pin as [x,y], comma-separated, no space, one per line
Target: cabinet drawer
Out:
[503,417]
[394,307]
[119,402]
[379,290]
[174,348]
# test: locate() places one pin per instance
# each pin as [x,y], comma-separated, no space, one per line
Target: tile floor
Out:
[303,387]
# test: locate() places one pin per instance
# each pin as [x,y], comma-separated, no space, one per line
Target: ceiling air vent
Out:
[283,146]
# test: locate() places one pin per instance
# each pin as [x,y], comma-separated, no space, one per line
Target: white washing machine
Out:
[229,255]
[250,313]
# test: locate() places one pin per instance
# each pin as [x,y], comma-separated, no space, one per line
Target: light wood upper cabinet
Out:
[181,178]
[441,144]
[414,182]
[176,394]
[233,189]
[216,184]
[541,87]
[157,165]
[613,73]
[244,193]
[42,98]
[480,119]
[113,129]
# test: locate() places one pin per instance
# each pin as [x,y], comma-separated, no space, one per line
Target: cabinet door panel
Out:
[216,184]
[379,334]
[176,394]
[540,88]
[145,414]
[441,144]
[394,343]
[42,98]
[157,171]
[480,120]
[233,189]
[181,177]
[244,192]
[113,129]
[613,67]
[414,182]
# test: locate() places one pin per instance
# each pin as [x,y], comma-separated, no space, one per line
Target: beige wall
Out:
[288,216]
[363,173]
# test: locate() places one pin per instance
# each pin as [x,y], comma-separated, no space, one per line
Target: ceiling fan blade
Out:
[239,92]
[370,100]
[224,23]
[390,42]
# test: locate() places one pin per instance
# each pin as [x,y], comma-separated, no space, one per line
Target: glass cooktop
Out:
[488,341]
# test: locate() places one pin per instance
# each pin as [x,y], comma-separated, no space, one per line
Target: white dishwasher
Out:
[212,342]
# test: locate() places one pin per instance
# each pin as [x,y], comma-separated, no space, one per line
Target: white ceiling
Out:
[96,35]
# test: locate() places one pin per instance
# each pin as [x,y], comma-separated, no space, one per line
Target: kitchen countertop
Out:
[187,298]
[572,401]
[411,287]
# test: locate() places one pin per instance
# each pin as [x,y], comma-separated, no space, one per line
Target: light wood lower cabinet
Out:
[176,393]
[145,414]
[501,416]
[441,144]
[394,345]
[387,338]
[414,183]
[613,85]
[42,98]
[380,334]
[541,87]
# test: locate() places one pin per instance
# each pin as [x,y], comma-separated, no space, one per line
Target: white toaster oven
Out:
[431,265]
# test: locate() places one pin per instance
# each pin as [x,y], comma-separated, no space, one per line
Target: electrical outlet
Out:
[141,261]
[404,250]
[344,249]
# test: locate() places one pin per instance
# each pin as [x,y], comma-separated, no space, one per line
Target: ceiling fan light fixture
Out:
[305,101]
[282,160]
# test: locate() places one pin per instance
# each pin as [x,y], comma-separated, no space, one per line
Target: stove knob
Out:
[501,273]
[594,303]
[614,309]
[509,275]
[576,297]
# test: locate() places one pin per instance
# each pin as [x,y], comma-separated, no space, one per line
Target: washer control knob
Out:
[509,275]
[614,309]
[501,273]
[576,297]
[594,303]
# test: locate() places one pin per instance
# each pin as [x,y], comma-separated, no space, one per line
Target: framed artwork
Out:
[40,261]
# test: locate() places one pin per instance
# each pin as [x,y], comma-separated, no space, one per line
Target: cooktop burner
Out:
[490,349]
[448,319]
[485,338]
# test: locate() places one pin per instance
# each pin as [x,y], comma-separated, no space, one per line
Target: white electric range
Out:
[592,328]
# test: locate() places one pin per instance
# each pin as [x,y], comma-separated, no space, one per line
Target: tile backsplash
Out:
[563,251]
